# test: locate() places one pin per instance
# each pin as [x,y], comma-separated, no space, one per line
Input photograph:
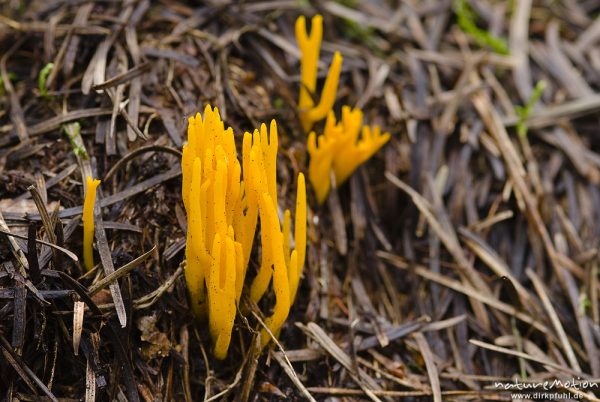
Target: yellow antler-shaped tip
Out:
[339,148]
[88,221]
[310,47]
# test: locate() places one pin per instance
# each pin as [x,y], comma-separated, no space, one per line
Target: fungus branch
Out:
[310,48]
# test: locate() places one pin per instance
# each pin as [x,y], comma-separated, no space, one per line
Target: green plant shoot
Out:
[523,112]
[43,77]
[73,131]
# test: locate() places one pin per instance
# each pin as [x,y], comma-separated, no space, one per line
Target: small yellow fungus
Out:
[88,221]
[223,211]
[310,47]
[340,148]
[319,112]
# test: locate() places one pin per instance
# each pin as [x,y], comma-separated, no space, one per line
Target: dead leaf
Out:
[156,342]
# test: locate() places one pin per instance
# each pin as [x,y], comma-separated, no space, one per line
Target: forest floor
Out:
[458,262]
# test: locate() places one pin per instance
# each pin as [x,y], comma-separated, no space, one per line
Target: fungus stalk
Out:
[88,221]
[299,252]
[281,287]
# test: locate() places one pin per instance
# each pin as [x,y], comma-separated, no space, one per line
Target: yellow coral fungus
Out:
[310,47]
[284,268]
[261,281]
[88,221]
[212,195]
[263,173]
[339,148]
[263,158]
[223,213]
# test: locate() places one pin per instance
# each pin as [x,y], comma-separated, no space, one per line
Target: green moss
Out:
[466,21]
[354,30]
[585,303]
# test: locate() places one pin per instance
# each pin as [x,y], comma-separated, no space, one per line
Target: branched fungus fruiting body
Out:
[286,269]
[88,221]
[328,95]
[212,196]
[340,148]
[310,48]
[223,213]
